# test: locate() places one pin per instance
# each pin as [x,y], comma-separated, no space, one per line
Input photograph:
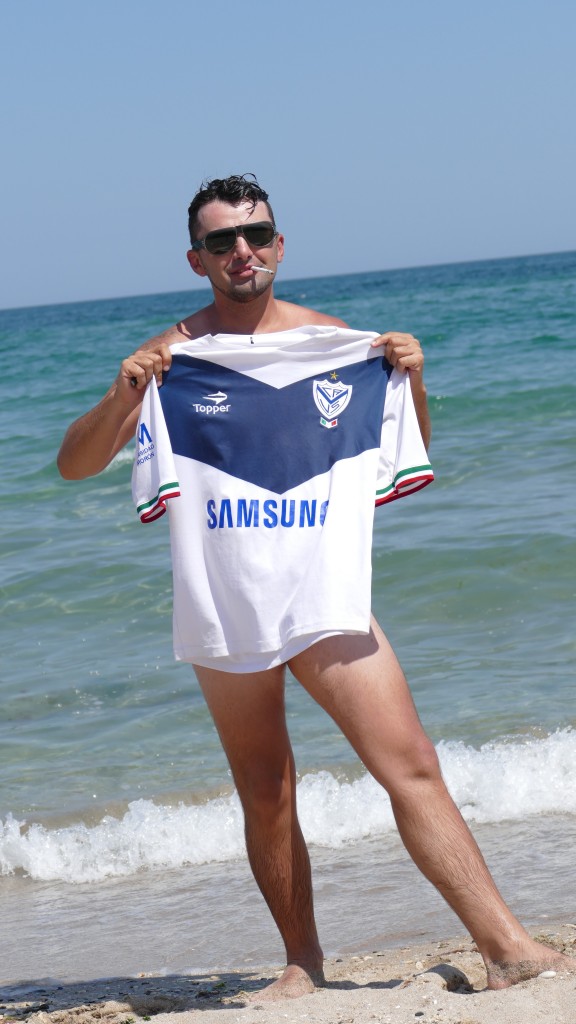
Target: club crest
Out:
[331,398]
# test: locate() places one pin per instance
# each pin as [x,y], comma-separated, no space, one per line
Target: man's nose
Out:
[241,248]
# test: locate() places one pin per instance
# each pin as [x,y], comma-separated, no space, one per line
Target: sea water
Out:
[121,841]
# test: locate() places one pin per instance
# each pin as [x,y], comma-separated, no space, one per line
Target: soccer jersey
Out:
[270,453]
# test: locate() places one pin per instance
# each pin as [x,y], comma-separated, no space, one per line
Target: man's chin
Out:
[244,291]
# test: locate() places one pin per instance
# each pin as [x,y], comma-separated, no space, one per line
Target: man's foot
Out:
[294,982]
[503,973]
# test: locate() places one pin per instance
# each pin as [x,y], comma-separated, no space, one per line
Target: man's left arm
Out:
[405,353]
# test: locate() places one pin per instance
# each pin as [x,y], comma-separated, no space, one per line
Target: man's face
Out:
[229,272]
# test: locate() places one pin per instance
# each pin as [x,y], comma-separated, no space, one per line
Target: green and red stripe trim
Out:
[405,482]
[156,507]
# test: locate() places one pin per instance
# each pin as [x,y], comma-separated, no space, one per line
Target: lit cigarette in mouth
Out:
[263,269]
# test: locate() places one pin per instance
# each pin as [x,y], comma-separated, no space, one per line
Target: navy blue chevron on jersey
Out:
[245,433]
[273,450]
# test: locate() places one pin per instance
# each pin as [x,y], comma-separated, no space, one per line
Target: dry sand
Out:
[441,982]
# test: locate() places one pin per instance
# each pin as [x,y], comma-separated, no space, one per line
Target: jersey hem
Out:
[267,657]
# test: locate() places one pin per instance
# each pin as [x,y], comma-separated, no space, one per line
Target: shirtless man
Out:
[355,678]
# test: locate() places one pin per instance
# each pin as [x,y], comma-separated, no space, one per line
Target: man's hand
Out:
[405,353]
[92,441]
[138,369]
[401,350]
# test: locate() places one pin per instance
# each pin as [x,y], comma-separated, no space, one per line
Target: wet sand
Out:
[442,982]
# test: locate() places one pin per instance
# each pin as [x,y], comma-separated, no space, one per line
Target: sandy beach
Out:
[441,982]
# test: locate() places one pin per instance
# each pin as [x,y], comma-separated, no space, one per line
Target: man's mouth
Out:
[249,270]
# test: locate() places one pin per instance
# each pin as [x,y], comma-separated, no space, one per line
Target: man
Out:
[348,667]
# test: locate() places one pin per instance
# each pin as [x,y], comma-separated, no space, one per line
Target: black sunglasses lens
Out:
[220,241]
[258,234]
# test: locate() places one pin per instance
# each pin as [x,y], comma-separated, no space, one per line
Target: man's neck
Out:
[224,316]
[260,316]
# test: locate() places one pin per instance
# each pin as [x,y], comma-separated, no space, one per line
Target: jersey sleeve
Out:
[154,478]
[403,466]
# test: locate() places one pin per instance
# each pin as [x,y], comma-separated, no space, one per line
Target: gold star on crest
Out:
[333,375]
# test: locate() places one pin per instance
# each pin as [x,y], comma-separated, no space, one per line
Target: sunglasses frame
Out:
[238,229]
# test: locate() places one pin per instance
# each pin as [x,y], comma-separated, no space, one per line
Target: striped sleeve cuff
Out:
[156,507]
[407,481]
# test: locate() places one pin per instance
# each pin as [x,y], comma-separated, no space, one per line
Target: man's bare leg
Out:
[249,714]
[360,684]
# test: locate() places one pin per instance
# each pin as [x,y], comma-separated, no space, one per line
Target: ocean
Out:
[120,834]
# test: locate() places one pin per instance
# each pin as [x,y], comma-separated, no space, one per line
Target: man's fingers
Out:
[166,357]
[382,339]
[405,357]
[161,348]
[401,350]
[140,367]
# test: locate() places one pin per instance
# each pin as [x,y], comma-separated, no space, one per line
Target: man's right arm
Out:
[92,441]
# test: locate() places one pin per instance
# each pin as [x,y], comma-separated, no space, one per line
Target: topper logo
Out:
[217,398]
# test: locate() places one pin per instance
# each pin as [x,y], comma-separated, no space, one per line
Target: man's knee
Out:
[267,794]
[419,764]
[426,763]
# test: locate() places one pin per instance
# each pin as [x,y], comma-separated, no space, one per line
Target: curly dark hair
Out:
[234,190]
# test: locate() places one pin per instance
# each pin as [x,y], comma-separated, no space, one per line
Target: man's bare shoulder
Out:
[194,326]
[294,315]
[167,337]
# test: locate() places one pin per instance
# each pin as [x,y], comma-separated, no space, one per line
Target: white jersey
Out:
[270,453]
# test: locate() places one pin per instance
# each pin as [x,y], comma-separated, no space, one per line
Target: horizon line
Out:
[315,277]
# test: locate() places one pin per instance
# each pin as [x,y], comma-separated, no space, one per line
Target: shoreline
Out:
[442,981]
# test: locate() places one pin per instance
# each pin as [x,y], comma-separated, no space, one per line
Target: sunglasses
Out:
[224,239]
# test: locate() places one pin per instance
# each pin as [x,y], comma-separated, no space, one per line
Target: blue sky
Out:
[388,134]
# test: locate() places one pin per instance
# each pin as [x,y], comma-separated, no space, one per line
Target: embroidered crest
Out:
[331,399]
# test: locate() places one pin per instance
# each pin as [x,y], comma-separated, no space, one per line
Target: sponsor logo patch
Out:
[145,445]
[229,513]
[143,435]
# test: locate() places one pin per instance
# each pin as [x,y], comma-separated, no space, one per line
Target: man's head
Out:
[234,241]
[237,189]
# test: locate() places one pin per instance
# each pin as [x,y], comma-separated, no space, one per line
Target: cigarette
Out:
[263,269]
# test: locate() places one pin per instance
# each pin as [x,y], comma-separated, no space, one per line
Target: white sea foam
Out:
[124,457]
[503,780]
